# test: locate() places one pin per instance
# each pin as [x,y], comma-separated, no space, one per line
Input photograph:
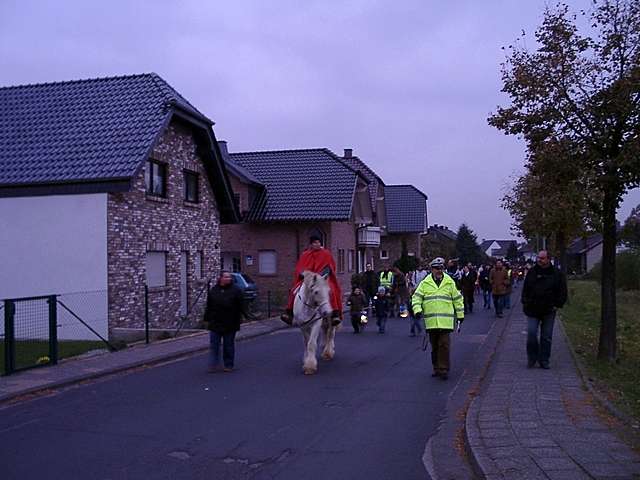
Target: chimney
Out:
[348,152]
[223,149]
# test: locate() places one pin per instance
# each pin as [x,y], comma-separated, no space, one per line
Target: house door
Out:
[183,283]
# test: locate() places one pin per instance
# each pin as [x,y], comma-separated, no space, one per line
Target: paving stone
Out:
[537,442]
[557,463]
[499,452]
[546,452]
[495,433]
[567,475]
[608,470]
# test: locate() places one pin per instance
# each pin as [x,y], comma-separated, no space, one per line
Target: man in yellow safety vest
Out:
[439,303]
[386,279]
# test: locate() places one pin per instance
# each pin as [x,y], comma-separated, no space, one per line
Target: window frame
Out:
[385,256]
[146,264]
[341,260]
[260,263]
[149,176]
[187,174]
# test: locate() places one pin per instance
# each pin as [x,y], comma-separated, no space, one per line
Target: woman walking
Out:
[225,307]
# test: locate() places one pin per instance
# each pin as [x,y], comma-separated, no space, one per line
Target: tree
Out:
[406,263]
[512,252]
[584,88]
[630,234]
[550,199]
[467,248]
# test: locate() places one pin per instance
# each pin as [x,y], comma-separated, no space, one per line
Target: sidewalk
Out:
[75,370]
[541,424]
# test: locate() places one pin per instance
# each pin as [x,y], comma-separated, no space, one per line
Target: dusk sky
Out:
[407,84]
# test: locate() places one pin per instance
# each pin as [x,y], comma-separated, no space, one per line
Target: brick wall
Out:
[137,223]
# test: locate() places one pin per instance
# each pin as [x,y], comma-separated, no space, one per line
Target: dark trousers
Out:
[468,302]
[498,303]
[540,350]
[486,297]
[355,322]
[440,342]
[228,349]
[382,324]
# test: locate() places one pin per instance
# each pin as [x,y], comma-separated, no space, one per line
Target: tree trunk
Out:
[561,245]
[607,346]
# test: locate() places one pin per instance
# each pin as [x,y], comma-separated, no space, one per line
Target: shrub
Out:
[627,270]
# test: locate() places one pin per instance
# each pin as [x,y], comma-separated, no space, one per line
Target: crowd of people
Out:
[434,297]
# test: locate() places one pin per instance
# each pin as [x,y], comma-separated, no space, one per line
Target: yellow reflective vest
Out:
[440,304]
[386,279]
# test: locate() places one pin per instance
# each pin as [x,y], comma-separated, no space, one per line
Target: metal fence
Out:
[38,331]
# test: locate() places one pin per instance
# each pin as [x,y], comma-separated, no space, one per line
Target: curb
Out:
[6,398]
[584,376]
[459,403]
[482,466]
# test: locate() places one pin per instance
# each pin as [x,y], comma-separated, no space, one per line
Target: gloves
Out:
[418,316]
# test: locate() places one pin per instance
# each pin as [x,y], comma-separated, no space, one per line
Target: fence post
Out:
[146,314]
[53,329]
[9,338]
[268,303]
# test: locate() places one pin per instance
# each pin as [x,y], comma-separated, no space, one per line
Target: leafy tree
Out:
[550,199]
[584,88]
[512,252]
[630,234]
[467,248]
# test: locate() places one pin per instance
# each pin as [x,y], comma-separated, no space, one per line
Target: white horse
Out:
[312,313]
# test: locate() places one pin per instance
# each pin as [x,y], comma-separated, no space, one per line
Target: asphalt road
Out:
[366,415]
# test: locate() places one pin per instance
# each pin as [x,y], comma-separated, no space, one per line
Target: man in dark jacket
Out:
[223,314]
[371,282]
[545,290]
[468,283]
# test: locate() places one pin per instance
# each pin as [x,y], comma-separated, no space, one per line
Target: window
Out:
[340,260]
[350,260]
[384,255]
[156,179]
[190,186]
[198,264]
[156,267]
[267,262]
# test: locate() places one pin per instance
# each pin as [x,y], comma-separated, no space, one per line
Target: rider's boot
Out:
[287,317]
[335,318]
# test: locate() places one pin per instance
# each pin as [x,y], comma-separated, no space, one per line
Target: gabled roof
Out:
[406,209]
[582,245]
[445,231]
[300,185]
[93,135]
[503,246]
[374,180]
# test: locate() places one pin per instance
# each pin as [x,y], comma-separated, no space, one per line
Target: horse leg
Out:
[329,343]
[310,364]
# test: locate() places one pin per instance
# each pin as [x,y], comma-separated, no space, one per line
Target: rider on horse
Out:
[318,260]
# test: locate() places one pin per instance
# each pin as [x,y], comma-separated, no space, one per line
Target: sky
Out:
[408,85]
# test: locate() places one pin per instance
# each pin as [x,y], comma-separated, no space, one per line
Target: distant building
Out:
[584,253]
[438,241]
[497,248]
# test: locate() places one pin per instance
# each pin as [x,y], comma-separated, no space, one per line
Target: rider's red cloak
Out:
[317,261]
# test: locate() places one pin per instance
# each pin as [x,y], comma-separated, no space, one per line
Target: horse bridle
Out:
[316,316]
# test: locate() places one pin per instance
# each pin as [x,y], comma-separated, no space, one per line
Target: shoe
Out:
[545,366]
[287,317]
[227,369]
[444,376]
[531,363]
[213,370]
[412,334]
[435,374]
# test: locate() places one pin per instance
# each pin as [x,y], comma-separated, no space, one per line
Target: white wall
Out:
[56,245]
[594,256]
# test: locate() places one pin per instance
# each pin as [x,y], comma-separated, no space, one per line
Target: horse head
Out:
[317,293]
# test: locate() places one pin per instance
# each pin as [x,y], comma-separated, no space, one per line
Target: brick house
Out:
[107,185]
[368,237]
[406,216]
[439,241]
[285,196]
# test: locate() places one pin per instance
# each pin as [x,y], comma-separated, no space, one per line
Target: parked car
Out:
[245,283]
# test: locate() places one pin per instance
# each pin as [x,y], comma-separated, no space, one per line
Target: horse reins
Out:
[314,318]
